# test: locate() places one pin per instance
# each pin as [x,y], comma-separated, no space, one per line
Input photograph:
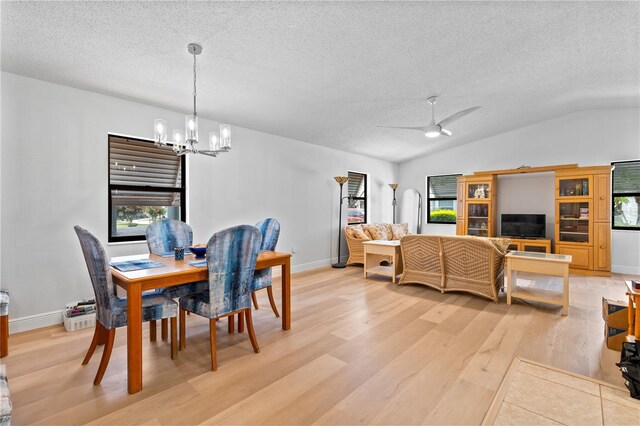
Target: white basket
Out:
[79,322]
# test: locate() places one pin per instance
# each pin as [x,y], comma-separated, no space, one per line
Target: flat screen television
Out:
[523,225]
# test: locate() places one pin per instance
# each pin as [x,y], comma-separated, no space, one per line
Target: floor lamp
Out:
[394,186]
[341,180]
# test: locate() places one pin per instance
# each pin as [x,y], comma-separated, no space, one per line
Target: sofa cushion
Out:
[356,232]
[399,230]
[502,244]
[377,231]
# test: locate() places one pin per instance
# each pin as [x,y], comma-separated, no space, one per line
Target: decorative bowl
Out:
[198,251]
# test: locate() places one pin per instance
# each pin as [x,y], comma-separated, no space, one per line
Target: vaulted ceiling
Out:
[329,73]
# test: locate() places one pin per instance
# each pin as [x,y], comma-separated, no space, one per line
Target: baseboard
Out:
[32,322]
[628,270]
[309,266]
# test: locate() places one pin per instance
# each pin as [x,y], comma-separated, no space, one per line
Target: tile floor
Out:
[534,394]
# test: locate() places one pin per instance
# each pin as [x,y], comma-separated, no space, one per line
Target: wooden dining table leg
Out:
[286,294]
[134,337]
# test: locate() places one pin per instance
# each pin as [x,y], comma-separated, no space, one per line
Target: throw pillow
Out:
[376,232]
[350,230]
[399,230]
[359,234]
[502,244]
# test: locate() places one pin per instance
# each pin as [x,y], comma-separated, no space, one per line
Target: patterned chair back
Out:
[166,234]
[270,230]
[231,260]
[98,266]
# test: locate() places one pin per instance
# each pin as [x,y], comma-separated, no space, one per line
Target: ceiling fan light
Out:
[432,133]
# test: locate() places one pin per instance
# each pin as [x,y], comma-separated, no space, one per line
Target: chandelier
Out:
[185,142]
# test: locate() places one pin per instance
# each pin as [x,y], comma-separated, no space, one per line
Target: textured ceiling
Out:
[329,73]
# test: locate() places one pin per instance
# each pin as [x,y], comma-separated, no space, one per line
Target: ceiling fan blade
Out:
[418,128]
[457,116]
[445,132]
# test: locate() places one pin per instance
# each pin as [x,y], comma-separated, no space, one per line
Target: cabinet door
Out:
[479,190]
[478,219]
[460,201]
[574,222]
[601,201]
[602,247]
[579,186]
[581,257]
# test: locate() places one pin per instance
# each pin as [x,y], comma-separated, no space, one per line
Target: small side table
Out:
[634,310]
[374,249]
[538,263]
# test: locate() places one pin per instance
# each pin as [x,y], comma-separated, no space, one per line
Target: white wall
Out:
[589,138]
[54,176]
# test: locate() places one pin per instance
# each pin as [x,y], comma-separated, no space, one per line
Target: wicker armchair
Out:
[473,265]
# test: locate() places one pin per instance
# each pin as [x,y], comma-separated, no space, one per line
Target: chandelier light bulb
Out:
[214,142]
[160,131]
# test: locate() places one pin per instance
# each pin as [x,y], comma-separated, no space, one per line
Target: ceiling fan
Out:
[433,130]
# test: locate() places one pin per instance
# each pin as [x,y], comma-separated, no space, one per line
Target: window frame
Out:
[454,199]
[626,194]
[365,179]
[141,188]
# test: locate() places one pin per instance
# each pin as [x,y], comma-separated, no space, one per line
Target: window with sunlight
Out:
[146,183]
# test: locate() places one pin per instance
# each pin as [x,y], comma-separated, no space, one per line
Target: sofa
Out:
[356,235]
[455,263]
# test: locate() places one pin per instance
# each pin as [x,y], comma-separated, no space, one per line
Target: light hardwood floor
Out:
[359,351]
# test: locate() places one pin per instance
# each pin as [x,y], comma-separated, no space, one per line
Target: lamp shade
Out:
[393,186]
[160,131]
[341,179]
[225,136]
[191,128]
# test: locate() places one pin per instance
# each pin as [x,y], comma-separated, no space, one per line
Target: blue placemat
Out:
[171,254]
[134,265]
[198,263]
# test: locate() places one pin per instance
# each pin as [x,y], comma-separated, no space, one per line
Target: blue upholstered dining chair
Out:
[111,311]
[163,236]
[231,261]
[270,230]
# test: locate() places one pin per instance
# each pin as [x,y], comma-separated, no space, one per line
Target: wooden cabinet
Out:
[476,205]
[582,225]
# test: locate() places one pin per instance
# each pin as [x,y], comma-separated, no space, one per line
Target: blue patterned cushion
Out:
[165,235]
[154,307]
[162,237]
[184,289]
[6,408]
[231,261]
[270,230]
[111,311]
[4,303]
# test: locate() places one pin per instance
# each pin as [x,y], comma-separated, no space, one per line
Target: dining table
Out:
[175,272]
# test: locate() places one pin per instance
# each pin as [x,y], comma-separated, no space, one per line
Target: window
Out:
[146,183]
[625,195]
[441,198]
[357,201]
